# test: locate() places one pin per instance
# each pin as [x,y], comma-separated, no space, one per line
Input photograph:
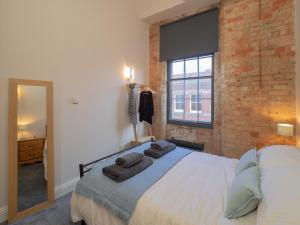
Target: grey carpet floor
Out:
[57,214]
[32,186]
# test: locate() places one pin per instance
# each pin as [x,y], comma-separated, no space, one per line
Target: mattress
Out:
[193,192]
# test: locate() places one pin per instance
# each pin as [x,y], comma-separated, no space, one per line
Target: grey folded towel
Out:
[155,153]
[119,173]
[160,145]
[129,159]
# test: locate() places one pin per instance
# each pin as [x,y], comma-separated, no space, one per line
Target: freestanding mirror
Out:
[30,178]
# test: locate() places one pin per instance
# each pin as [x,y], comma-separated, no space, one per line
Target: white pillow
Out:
[280,186]
[278,155]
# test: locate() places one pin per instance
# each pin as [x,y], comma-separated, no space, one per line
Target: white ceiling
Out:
[158,10]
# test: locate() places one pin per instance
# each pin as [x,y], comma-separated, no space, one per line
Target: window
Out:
[179,103]
[190,91]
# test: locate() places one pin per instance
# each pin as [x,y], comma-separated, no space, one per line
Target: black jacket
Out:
[146,108]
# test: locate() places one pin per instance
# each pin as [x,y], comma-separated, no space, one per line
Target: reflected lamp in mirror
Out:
[22,128]
[129,73]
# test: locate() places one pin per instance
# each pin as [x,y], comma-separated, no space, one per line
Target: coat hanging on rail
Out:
[146,108]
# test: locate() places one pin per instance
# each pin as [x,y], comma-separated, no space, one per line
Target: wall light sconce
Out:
[286,130]
[129,73]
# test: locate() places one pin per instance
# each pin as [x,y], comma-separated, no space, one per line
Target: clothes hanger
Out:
[145,87]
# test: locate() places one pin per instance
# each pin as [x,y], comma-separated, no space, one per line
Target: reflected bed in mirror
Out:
[30,147]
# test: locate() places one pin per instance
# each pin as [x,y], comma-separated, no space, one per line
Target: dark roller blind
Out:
[193,36]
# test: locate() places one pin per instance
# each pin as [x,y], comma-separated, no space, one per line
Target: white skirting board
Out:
[3,214]
[65,188]
[60,191]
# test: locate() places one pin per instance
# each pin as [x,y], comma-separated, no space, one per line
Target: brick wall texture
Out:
[254,78]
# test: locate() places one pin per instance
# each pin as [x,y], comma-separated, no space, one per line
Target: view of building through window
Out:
[179,103]
[190,90]
[195,104]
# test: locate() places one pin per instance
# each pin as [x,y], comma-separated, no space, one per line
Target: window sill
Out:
[191,124]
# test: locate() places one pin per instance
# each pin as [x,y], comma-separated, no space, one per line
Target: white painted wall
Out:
[82,46]
[159,10]
[297,31]
[148,8]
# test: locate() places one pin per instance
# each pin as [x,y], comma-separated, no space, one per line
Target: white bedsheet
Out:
[193,192]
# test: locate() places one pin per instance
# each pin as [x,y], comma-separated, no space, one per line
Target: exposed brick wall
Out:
[254,104]
[254,78]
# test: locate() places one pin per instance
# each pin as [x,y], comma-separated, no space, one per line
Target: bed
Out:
[195,190]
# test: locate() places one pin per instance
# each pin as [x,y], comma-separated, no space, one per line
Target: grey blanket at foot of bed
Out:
[121,198]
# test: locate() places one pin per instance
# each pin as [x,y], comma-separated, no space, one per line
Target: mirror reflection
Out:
[32,145]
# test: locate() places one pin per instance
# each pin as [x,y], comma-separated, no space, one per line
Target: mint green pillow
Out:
[247,160]
[244,194]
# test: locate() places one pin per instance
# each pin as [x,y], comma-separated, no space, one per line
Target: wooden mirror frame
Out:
[13,213]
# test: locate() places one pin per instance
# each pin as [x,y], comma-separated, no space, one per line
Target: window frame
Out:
[200,124]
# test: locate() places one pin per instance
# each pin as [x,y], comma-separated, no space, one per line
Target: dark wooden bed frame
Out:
[85,168]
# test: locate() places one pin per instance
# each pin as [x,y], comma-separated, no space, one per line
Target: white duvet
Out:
[193,192]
